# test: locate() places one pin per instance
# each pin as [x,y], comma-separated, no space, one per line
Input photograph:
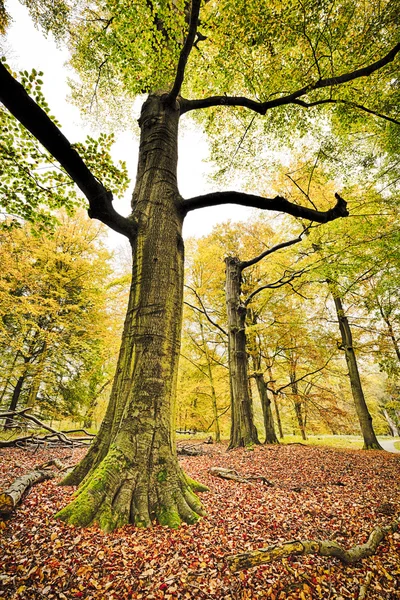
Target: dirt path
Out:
[388,445]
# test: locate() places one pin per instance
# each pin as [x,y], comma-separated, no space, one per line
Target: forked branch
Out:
[185,53]
[15,98]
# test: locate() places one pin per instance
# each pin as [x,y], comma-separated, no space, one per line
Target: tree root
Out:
[237,562]
[364,588]
[119,492]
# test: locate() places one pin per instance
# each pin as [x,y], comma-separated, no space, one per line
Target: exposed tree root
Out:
[119,492]
[364,588]
[237,562]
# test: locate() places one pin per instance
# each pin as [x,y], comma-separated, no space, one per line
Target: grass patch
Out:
[354,442]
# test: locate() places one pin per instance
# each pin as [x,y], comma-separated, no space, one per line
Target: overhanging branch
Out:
[278,204]
[15,98]
[262,107]
[346,103]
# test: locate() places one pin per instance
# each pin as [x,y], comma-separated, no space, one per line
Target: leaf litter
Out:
[318,493]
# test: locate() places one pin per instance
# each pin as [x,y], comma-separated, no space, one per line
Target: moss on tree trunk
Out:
[131,473]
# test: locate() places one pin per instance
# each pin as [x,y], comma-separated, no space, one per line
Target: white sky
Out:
[27,48]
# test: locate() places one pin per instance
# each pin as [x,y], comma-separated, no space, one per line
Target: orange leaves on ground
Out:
[317,493]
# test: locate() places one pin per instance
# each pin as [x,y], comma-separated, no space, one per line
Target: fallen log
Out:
[190,450]
[52,439]
[227,474]
[246,560]
[234,476]
[12,496]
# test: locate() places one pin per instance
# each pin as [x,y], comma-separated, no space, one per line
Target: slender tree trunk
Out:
[364,417]
[298,407]
[390,331]
[255,353]
[270,435]
[88,418]
[243,430]
[15,399]
[131,473]
[37,377]
[8,380]
[212,387]
[394,431]
[276,407]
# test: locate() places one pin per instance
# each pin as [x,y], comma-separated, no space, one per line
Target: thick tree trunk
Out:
[364,417]
[243,430]
[131,473]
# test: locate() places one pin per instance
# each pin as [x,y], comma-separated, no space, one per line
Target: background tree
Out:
[57,338]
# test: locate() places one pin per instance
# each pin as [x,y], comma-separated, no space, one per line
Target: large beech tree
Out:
[271,59]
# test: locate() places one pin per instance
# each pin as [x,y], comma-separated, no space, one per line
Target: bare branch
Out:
[263,107]
[184,56]
[203,309]
[284,280]
[26,111]
[253,261]
[278,204]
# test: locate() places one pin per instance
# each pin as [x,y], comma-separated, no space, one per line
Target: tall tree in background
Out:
[131,472]
[55,335]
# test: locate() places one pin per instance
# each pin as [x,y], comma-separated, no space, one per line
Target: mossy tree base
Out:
[119,492]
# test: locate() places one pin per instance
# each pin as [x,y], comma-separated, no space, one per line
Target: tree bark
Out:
[243,430]
[364,417]
[270,435]
[131,473]
[255,352]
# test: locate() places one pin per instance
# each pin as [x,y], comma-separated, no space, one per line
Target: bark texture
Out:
[131,473]
[243,430]
[364,417]
[247,560]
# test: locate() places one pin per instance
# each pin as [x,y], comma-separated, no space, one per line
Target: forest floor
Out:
[318,493]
